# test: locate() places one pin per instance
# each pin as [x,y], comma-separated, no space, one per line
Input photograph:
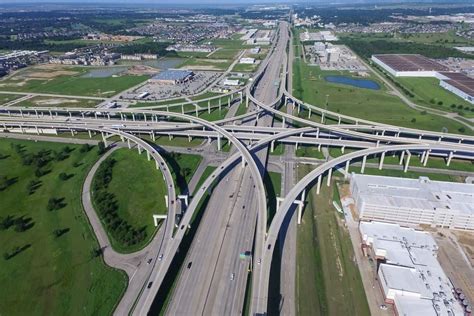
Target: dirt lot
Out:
[455,262]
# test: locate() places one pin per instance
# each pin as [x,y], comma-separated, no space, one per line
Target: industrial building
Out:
[459,84]
[409,274]
[408,65]
[414,201]
[172,76]
[247,60]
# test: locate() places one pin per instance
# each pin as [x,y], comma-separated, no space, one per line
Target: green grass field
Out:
[245,67]
[55,275]
[140,191]
[309,151]
[272,182]
[429,93]
[182,167]
[58,102]
[74,85]
[225,53]
[215,114]
[5,98]
[376,105]
[409,174]
[211,64]
[328,281]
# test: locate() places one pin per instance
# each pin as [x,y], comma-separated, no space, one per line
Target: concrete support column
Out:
[449,158]
[318,186]
[122,138]
[426,158]
[423,157]
[133,116]
[190,138]
[139,149]
[364,160]
[72,132]
[121,116]
[209,106]
[153,136]
[299,108]
[347,169]
[382,157]
[283,123]
[246,101]
[407,162]
[322,117]
[296,146]
[108,116]
[104,139]
[95,115]
[272,146]
[309,113]
[342,149]
[300,210]
[21,113]
[319,147]
[89,132]
[243,162]
[218,142]
[50,114]
[329,177]
[317,132]
[339,120]
[170,137]
[157,165]
[228,102]
[37,130]
[196,111]
[128,144]
[148,155]
[36,113]
[401,157]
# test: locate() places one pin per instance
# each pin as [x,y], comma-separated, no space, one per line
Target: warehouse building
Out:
[414,201]
[409,65]
[459,84]
[172,77]
[409,274]
[412,65]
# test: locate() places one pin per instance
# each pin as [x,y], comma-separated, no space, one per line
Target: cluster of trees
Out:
[15,251]
[6,182]
[41,159]
[367,48]
[107,206]
[60,231]
[143,48]
[20,224]
[55,204]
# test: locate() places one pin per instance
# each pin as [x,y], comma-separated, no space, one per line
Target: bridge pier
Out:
[422,159]
[182,109]
[228,102]
[329,177]
[152,134]
[209,106]
[272,146]
[157,165]
[148,155]
[190,138]
[309,113]
[196,111]
[37,130]
[283,122]
[339,120]
[104,139]
[382,157]
[426,158]
[218,142]
[346,169]
[449,158]
[401,157]
[364,160]
[342,149]
[170,136]
[128,144]
[319,147]
[318,186]
[317,132]
[407,163]
[322,117]
[139,149]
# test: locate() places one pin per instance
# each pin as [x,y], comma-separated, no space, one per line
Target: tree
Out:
[413,120]
[102,148]
[63,176]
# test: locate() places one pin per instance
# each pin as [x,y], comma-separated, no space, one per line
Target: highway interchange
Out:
[213,279]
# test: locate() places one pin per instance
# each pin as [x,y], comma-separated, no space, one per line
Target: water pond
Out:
[358,83]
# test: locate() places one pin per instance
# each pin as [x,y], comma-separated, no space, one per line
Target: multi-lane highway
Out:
[234,239]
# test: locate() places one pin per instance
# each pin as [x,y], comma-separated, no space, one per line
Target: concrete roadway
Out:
[215,283]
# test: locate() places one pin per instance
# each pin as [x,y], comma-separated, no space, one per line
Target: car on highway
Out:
[149,261]
[259,261]
[190,263]
[160,257]
[149,285]
[232,276]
